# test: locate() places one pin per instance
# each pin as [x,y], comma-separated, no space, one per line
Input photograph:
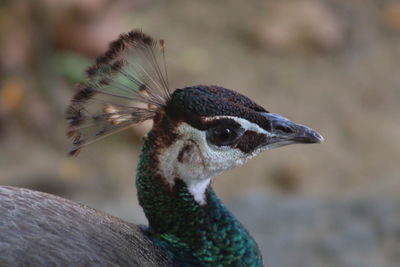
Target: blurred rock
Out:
[11,95]
[16,47]
[87,27]
[300,25]
[391,16]
[299,231]
[287,178]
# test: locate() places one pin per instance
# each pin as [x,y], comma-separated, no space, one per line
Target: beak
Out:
[285,132]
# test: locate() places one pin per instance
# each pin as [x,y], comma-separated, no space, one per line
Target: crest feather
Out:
[126,86]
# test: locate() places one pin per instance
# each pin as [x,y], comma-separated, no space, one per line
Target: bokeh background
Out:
[330,64]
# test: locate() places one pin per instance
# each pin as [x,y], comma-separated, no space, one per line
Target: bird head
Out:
[200,130]
[216,129]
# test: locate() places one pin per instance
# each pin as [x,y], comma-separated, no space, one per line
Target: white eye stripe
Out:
[247,125]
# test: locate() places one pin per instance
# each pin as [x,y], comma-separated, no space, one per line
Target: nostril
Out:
[284,128]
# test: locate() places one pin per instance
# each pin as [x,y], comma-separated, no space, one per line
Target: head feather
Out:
[126,86]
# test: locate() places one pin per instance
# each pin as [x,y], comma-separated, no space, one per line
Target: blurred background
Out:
[330,64]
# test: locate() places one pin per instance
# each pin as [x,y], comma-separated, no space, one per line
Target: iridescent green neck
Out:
[192,234]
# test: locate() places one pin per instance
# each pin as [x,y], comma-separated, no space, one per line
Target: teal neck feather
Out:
[192,234]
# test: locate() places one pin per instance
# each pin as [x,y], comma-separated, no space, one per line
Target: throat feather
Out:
[198,190]
[208,234]
[182,160]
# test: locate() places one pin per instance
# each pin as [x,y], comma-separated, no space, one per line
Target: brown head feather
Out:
[127,74]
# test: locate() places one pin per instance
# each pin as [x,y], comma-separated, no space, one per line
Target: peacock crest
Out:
[127,85]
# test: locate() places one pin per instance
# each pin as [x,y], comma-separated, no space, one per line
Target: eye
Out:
[223,135]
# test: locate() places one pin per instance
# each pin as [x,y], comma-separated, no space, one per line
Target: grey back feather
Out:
[39,229]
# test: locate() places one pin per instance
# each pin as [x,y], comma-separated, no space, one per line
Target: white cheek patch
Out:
[203,160]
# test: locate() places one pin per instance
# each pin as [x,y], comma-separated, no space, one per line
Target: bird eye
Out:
[222,135]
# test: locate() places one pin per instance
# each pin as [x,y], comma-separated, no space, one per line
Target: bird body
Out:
[39,229]
[198,132]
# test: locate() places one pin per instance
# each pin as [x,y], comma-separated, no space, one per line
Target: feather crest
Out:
[126,86]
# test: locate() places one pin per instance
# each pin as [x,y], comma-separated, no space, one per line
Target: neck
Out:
[204,234]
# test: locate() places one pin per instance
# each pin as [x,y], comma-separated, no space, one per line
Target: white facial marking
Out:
[198,188]
[247,125]
[203,161]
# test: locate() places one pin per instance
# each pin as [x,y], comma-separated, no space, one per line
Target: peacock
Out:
[198,132]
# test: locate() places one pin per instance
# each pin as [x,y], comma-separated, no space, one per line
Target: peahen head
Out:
[200,130]
[212,129]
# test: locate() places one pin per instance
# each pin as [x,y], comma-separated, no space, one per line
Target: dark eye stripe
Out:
[251,141]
